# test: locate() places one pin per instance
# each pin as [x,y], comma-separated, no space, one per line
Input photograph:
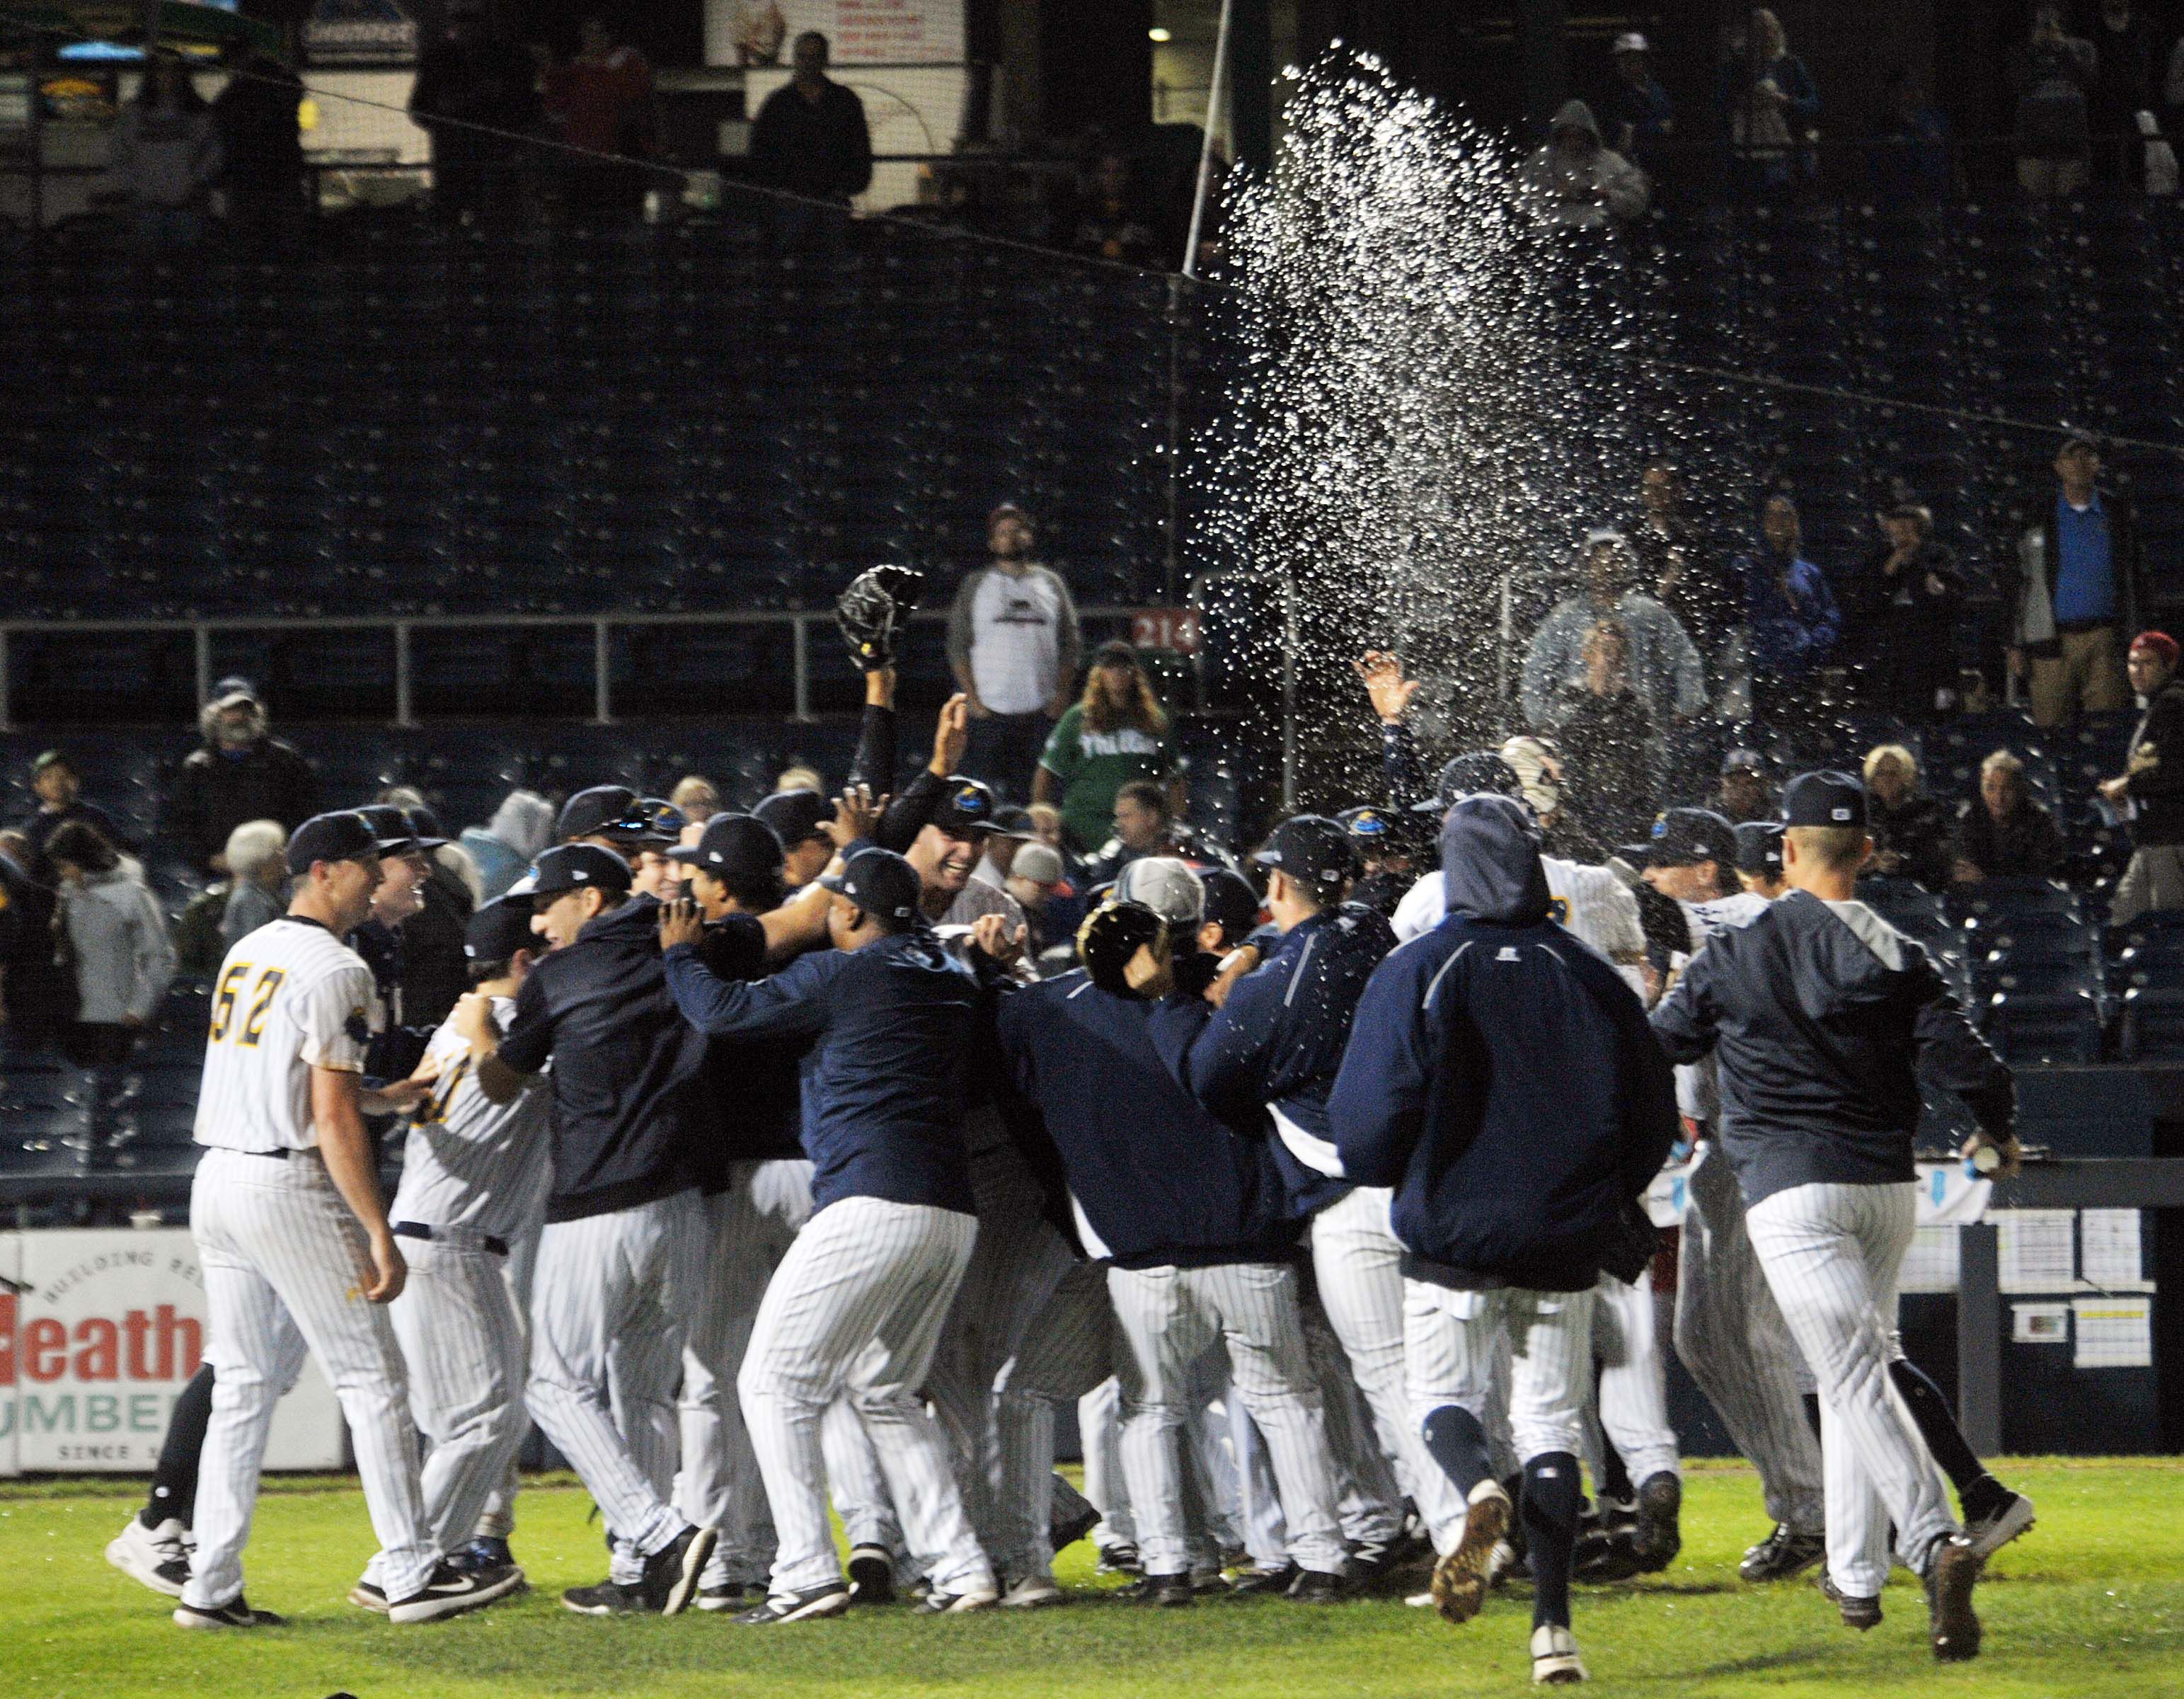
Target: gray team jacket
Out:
[1824,1019]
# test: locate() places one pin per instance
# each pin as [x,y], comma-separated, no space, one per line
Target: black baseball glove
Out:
[874,609]
[1109,939]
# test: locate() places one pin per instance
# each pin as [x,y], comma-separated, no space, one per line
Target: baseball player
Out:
[859,1298]
[620,1258]
[295,1243]
[1273,1049]
[475,1176]
[1823,1019]
[1501,1078]
[1193,1224]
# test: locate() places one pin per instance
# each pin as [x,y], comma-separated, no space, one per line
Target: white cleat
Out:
[1555,1661]
[155,1557]
[1033,1593]
[1997,1531]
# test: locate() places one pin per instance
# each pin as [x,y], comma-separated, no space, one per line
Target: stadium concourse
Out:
[454,851]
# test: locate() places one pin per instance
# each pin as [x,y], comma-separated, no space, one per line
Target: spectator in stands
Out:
[2125,52]
[1791,614]
[1900,608]
[258,117]
[1013,644]
[1643,116]
[800,777]
[1663,665]
[697,797]
[760,30]
[1109,223]
[476,90]
[2077,588]
[1116,732]
[242,773]
[1143,815]
[1687,574]
[2053,75]
[116,938]
[1910,834]
[258,880]
[1908,158]
[2002,833]
[59,788]
[1608,763]
[1769,108]
[601,102]
[811,138]
[1576,181]
[165,155]
[2151,784]
[35,999]
[1744,795]
[1046,822]
[502,851]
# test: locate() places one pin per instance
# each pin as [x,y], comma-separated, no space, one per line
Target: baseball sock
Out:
[1615,1482]
[1977,1491]
[1550,1518]
[1812,1403]
[1458,1445]
[174,1478]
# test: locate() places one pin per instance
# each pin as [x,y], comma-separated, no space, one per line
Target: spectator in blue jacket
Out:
[1501,1078]
[1792,613]
[1769,106]
[1193,1222]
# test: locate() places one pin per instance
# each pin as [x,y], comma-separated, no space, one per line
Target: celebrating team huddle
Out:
[766,1189]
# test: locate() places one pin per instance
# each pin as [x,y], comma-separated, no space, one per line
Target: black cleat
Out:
[729,1596]
[1276,1580]
[607,1599]
[1954,1626]
[828,1599]
[1119,1560]
[234,1614]
[1859,1613]
[1657,1536]
[449,1592]
[872,1575]
[1172,1592]
[1316,1587]
[671,1573]
[1782,1554]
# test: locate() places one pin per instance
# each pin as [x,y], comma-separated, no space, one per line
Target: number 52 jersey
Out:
[291,997]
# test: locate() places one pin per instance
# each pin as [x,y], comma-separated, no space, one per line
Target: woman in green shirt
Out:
[1116,732]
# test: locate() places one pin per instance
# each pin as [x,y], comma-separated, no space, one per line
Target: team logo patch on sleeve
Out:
[357,1026]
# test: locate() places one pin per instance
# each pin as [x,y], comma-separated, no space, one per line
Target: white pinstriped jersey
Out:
[291,997]
[1591,900]
[470,1162]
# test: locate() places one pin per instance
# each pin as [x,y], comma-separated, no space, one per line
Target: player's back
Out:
[288,997]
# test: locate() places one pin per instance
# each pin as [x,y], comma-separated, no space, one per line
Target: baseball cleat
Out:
[828,1599]
[939,1604]
[154,1555]
[487,1551]
[872,1575]
[1658,1535]
[1858,1612]
[1459,1579]
[449,1592]
[606,1599]
[1208,1581]
[1954,1627]
[1782,1554]
[1118,1559]
[672,1573]
[369,1595]
[1275,1580]
[234,1614]
[1033,1593]
[728,1595]
[1173,1591]
[1316,1587]
[1988,1535]
[1555,1661]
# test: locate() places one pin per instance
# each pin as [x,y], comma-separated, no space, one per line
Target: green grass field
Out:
[2091,1602]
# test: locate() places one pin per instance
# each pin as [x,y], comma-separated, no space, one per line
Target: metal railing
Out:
[603,626]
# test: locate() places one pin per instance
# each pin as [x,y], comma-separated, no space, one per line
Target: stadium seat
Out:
[2044,1015]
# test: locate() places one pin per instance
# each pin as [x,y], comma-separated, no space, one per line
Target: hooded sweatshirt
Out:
[1824,1020]
[124,961]
[520,830]
[1588,193]
[1499,1076]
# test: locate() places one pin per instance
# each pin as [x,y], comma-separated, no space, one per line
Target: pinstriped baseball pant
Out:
[1452,1343]
[857,1306]
[1213,1508]
[609,1309]
[496,1521]
[464,1344]
[282,1259]
[1167,1320]
[1633,1395]
[1832,1253]
[1731,1336]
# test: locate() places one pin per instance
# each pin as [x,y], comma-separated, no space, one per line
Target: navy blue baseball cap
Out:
[497,931]
[882,884]
[1370,828]
[1312,850]
[574,867]
[663,821]
[424,826]
[343,835]
[395,834]
[968,808]
[796,816]
[1483,770]
[603,811]
[1826,798]
[1684,837]
[1759,848]
[1230,902]
[734,847]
